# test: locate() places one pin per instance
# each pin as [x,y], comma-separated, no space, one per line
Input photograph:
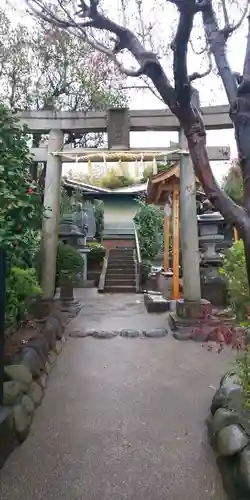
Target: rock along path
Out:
[122,419]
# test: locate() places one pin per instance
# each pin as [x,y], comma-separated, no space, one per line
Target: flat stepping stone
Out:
[156,333]
[127,333]
[131,333]
[104,334]
[81,334]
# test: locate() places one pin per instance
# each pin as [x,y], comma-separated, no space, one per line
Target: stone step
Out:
[120,259]
[120,265]
[119,275]
[120,282]
[119,289]
[121,250]
[120,256]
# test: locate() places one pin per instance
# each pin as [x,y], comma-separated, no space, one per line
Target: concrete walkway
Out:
[122,419]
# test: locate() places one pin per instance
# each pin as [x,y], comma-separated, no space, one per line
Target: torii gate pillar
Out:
[188,227]
[52,193]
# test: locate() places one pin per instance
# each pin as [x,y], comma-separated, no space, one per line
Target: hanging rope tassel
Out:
[89,168]
[154,166]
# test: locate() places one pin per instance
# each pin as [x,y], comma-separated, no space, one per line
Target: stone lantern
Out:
[213,285]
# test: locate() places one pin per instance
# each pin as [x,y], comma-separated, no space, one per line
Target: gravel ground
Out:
[123,418]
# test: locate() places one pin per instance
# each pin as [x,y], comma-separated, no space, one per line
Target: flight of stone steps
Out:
[120,273]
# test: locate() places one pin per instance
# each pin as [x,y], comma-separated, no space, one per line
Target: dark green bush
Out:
[69,261]
[96,252]
[149,221]
[99,219]
[21,286]
[234,269]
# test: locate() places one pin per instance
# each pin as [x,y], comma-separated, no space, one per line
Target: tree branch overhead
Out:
[179,98]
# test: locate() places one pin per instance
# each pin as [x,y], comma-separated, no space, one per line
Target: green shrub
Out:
[96,252]
[149,221]
[21,208]
[99,219]
[113,181]
[69,261]
[243,372]
[234,269]
[21,285]
[145,269]
[233,183]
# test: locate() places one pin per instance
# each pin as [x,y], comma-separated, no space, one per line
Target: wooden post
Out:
[236,236]
[166,242]
[176,229]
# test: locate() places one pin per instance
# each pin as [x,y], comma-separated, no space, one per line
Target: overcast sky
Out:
[163,15]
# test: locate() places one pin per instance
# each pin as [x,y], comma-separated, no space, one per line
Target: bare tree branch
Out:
[246,69]
[180,48]
[216,40]
[148,62]
[228,28]
[225,14]
[80,32]
[179,99]
[152,90]
[195,76]
[198,52]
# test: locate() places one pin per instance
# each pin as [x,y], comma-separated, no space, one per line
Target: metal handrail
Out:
[137,244]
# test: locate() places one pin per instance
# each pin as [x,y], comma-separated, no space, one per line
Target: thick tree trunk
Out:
[240,115]
[193,126]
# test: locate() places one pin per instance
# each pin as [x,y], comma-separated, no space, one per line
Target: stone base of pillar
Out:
[66,289]
[41,308]
[70,306]
[68,303]
[189,317]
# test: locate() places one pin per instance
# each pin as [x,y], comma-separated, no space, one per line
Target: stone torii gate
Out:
[118,123]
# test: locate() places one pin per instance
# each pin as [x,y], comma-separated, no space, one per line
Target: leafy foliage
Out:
[21,213]
[43,67]
[234,268]
[233,184]
[99,219]
[149,220]
[145,269]
[21,285]
[147,174]
[69,261]
[21,209]
[96,252]
[113,181]
[148,171]
[243,372]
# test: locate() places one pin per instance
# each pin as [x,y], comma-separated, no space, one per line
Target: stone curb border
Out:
[229,433]
[25,381]
[129,333]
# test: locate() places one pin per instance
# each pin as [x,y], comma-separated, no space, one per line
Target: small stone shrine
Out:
[213,286]
[74,229]
[73,226]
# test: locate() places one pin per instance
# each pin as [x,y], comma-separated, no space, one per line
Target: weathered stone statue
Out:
[80,219]
[90,214]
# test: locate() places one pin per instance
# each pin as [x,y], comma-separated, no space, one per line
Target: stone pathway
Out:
[122,419]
